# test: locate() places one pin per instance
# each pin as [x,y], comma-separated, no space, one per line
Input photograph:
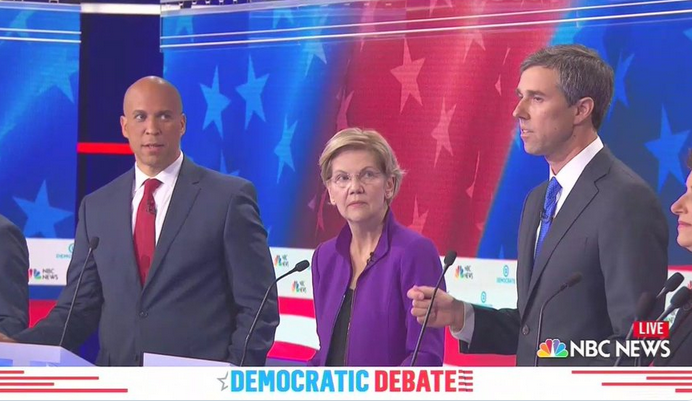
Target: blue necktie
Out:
[549,206]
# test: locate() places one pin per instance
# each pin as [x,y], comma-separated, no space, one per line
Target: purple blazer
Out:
[382,331]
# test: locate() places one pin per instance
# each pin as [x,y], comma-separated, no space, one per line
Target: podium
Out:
[35,355]
[162,360]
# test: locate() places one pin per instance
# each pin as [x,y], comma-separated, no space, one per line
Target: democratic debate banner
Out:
[345,384]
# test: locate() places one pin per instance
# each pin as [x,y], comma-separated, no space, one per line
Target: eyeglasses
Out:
[366,177]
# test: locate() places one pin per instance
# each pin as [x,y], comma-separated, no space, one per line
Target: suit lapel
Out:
[527,242]
[122,225]
[182,199]
[581,195]
[682,331]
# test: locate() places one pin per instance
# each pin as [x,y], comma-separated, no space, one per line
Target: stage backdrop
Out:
[266,84]
[265,87]
[39,49]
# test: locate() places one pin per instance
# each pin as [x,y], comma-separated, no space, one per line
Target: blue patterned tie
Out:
[549,206]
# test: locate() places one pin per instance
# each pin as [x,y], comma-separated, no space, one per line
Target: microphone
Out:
[671,284]
[450,257]
[93,244]
[300,266]
[645,304]
[572,280]
[679,298]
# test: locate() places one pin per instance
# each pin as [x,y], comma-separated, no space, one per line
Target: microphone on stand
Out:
[572,280]
[93,244]
[450,257]
[644,306]
[300,266]
[671,284]
[679,299]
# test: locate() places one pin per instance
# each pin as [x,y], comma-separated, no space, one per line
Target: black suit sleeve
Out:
[495,332]
[250,272]
[14,288]
[87,310]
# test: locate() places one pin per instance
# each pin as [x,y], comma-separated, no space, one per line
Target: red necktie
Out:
[145,228]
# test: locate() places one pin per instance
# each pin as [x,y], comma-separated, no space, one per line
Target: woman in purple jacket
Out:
[360,278]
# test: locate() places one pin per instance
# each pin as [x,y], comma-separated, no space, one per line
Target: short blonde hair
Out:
[354,138]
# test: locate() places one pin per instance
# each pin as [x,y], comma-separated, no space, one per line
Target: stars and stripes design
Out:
[443,99]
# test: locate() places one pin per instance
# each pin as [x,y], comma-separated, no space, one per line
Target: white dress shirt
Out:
[162,195]
[567,178]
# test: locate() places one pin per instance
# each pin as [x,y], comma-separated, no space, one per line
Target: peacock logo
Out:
[552,348]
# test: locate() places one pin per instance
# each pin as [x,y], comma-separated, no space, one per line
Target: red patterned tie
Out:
[145,228]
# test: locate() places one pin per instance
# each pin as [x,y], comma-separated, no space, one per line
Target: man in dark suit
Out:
[594,216]
[14,286]
[182,262]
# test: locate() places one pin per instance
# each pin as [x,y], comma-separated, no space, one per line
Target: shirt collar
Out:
[167,176]
[570,173]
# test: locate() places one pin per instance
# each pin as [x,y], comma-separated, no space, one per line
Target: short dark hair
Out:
[582,74]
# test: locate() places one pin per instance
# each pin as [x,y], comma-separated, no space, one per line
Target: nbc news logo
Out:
[552,348]
[281,261]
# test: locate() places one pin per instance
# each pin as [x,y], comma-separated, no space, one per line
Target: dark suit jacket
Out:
[209,273]
[14,286]
[680,341]
[611,229]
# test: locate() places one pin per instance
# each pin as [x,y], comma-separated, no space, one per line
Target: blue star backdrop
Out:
[256,109]
[38,124]
[647,126]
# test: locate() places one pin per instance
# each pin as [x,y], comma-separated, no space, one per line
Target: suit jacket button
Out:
[525,330]
[143,314]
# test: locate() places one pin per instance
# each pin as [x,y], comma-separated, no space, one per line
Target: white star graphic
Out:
[441,131]
[216,103]
[470,38]
[280,13]
[418,219]
[224,382]
[283,149]
[342,116]
[251,92]
[407,74]
[433,4]
[314,48]
[320,211]
[64,62]
[472,188]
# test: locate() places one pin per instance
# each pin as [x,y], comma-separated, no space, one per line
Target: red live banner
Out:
[649,329]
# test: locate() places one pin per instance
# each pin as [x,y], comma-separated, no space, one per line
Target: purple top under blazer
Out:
[382,331]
